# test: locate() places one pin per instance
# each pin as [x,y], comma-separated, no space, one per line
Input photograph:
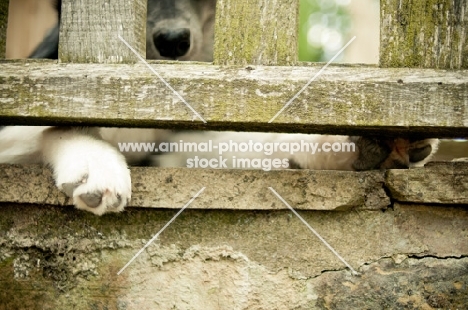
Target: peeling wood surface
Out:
[259,32]
[343,100]
[107,19]
[438,183]
[424,34]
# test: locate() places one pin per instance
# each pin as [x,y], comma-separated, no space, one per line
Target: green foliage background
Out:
[329,13]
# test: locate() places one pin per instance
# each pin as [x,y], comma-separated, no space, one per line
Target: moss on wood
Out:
[345,100]
[424,34]
[259,32]
[3,26]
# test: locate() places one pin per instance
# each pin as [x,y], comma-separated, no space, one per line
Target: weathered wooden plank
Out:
[89,29]
[225,189]
[421,33]
[344,100]
[4,5]
[259,32]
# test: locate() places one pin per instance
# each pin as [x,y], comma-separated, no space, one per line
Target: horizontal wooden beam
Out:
[343,100]
[438,183]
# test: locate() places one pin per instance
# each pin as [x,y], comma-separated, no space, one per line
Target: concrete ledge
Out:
[225,189]
[443,183]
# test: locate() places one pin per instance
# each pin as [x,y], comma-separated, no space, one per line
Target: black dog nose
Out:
[172,43]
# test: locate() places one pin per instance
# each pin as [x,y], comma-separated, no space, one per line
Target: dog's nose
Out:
[172,43]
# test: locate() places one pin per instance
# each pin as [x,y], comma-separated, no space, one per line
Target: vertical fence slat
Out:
[3,26]
[89,29]
[426,34]
[259,32]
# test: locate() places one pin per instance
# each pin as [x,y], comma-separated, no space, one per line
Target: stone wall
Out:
[410,253]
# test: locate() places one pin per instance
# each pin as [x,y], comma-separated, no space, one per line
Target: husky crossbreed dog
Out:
[88,168]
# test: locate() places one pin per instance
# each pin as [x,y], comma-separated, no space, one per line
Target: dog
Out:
[299,151]
[175,30]
[85,165]
[88,167]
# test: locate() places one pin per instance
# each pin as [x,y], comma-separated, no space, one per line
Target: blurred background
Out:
[325,26]
[28,22]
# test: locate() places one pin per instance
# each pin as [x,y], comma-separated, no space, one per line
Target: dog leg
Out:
[87,169]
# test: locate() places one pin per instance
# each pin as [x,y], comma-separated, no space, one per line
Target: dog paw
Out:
[90,171]
[98,185]
[96,196]
[396,153]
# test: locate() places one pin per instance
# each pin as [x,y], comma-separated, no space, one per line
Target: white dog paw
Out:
[89,170]
[93,193]
[397,153]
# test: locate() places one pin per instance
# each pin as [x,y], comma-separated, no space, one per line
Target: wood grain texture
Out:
[424,34]
[258,32]
[4,4]
[89,29]
[344,100]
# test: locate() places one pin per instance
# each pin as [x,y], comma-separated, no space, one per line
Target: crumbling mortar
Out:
[387,191]
[418,256]
[422,256]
